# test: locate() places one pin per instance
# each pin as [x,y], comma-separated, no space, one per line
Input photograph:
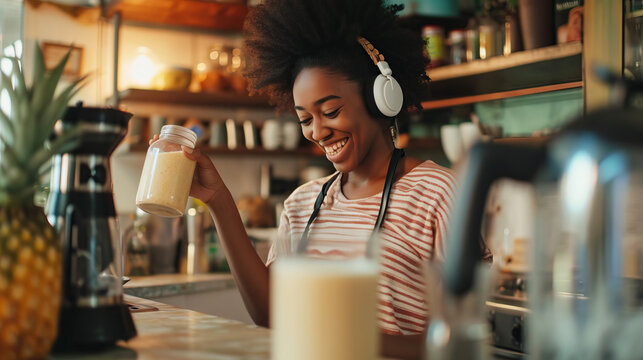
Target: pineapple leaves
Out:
[5,123]
[25,128]
[44,90]
[19,76]
[39,68]
[12,169]
[56,107]
[65,142]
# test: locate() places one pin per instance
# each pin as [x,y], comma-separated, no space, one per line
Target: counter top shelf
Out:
[526,72]
[175,97]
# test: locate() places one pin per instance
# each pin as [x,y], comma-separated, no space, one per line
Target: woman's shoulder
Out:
[307,192]
[429,173]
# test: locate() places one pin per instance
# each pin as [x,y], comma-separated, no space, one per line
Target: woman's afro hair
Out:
[282,37]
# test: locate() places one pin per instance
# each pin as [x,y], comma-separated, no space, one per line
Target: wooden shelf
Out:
[219,15]
[527,72]
[303,151]
[464,100]
[220,99]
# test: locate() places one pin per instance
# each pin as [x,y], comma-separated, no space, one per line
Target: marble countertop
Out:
[171,333]
[156,286]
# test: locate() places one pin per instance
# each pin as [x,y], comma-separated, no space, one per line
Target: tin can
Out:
[434,39]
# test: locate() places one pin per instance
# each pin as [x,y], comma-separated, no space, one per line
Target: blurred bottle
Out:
[137,250]
[472,40]
[457,47]
[489,30]
[202,132]
[513,38]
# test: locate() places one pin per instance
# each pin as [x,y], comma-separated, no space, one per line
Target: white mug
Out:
[271,134]
[291,133]
[451,142]
[470,134]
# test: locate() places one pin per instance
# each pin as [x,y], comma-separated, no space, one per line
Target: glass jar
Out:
[167,173]
[457,47]
[434,37]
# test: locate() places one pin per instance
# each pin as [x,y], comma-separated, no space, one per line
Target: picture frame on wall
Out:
[54,52]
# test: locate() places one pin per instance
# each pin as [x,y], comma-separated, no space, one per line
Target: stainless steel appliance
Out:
[508,232]
[81,208]
[585,297]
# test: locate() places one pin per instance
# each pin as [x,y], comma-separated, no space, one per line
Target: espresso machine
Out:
[80,206]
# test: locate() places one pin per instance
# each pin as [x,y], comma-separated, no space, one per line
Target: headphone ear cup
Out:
[369,98]
[387,95]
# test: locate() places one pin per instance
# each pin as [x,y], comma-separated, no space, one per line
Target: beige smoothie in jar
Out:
[167,173]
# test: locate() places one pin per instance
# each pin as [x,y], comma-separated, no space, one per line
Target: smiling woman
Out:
[347,69]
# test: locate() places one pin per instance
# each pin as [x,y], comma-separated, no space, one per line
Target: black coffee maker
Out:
[93,314]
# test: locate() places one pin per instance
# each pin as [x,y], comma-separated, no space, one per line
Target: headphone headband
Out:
[371,50]
[384,97]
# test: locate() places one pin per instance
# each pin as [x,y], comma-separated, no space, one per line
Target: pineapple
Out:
[30,254]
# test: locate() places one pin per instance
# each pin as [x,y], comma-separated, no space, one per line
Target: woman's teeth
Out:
[335,148]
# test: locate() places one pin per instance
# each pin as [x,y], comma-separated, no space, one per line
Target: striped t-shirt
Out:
[412,233]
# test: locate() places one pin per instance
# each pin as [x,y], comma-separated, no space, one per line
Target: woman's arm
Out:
[249,272]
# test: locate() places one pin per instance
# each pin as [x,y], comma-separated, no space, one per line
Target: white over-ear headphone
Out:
[387,93]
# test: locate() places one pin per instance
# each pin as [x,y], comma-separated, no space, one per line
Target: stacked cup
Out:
[457,139]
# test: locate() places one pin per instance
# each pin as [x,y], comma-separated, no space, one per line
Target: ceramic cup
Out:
[218,136]
[470,134]
[451,142]
[271,134]
[291,132]
[249,134]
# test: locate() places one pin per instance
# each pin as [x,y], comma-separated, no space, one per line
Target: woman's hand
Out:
[206,182]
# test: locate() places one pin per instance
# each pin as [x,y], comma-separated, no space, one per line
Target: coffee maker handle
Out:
[487,163]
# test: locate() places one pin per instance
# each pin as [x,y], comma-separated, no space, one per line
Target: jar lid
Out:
[458,33]
[432,30]
[180,131]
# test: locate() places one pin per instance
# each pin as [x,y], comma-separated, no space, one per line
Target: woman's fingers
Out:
[153,139]
[192,154]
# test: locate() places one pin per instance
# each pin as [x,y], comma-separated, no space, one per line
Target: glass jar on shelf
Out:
[457,47]
[237,81]
[433,36]
[215,75]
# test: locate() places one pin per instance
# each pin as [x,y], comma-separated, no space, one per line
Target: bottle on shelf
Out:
[513,37]
[433,35]
[490,33]
[457,47]
[472,38]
